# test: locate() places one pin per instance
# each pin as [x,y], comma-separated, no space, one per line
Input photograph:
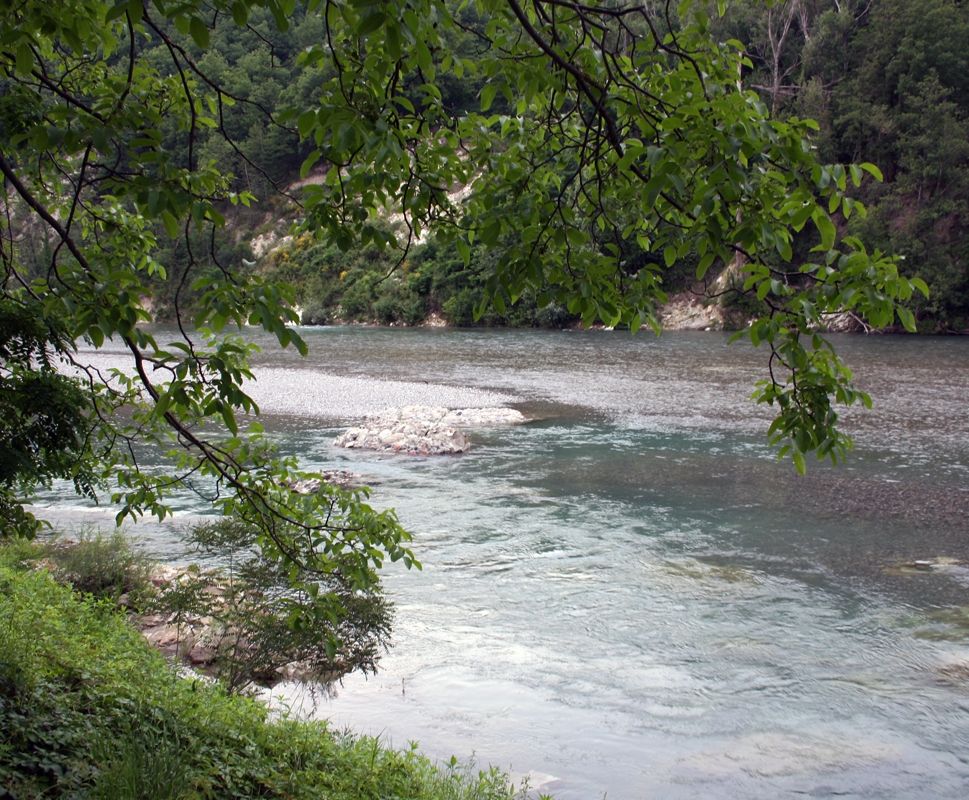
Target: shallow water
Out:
[629,596]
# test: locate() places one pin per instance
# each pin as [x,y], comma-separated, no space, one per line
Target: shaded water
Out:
[630,596]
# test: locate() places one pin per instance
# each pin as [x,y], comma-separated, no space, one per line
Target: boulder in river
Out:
[424,430]
[337,477]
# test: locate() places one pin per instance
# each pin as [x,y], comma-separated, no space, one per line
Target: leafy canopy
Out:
[44,431]
[607,144]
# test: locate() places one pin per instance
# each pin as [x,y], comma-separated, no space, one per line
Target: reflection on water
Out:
[632,596]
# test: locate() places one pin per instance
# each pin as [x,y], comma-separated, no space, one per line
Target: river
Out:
[629,596]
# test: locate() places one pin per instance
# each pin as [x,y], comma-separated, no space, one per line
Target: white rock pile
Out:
[424,430]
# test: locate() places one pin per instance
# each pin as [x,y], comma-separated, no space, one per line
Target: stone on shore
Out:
[424,430]
[200,640]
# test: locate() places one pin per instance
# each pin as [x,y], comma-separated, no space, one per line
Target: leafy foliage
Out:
[102,159]
[45,416]
[368,285]
[887,81]
[913,117]
[622,131]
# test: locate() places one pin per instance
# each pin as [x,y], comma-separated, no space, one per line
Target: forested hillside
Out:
[888,81]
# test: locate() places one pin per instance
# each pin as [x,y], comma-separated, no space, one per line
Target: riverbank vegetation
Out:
[432,285]
[87,708]
[231,617]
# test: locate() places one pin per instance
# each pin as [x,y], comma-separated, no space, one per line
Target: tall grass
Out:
[105,566]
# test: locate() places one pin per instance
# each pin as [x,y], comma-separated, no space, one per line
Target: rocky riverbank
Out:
[196,628]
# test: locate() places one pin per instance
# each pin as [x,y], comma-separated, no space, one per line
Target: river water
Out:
[628,596]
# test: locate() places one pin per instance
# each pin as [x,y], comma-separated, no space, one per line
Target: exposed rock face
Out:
[267,242]
[686,312]
[424,430]
[845,322]
[689,312]
[196,637]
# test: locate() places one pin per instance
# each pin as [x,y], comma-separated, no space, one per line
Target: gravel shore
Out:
[315,394]
[319,395]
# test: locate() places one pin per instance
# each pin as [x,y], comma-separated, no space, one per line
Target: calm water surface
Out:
[630,597]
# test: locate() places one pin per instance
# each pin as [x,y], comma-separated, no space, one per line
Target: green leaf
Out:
[424,60]
[920,285]
[309,162]
[907,318]
[171,223]
[783,247]
[872,170]
[199,31]
[463,250]
[306,123]
[240,13]
[825,228]
[392,38]
[117,11]
[704,265]
[371,22]
[856,175]
[24,59]
[488,92]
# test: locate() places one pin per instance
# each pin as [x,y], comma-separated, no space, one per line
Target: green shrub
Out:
[314,315]
[399,305]
[105,566]
[554,316]
[459,308]
[357,301]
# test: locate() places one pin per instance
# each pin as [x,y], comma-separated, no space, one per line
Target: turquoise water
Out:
[628,596]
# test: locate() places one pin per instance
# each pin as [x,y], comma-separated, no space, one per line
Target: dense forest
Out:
[888,81]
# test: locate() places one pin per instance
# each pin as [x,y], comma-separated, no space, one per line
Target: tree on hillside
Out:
[600,131]
[905,103]
[887,81]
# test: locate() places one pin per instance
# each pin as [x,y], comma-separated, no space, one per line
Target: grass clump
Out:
[87,709]
[104,566]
